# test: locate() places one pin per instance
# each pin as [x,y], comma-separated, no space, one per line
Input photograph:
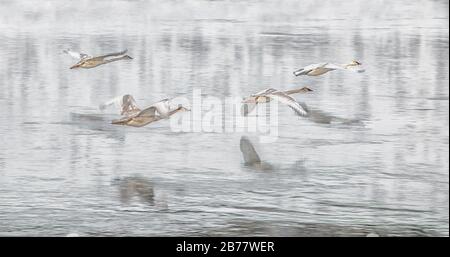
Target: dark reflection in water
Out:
[94,120]
[251,157]
[371,158]
[322,117]
[136,186]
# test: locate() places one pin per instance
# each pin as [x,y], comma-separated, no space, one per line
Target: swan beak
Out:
[75,66]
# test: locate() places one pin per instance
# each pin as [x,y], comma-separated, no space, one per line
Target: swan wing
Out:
[162,107]
[129,105]
[121,121]
[298,91]
[355,69]
[289,101]
[333,66]
[315,66]
[126,104]
[159,109]
[305,70]
[146,116]
[265,92]
[101,57]
[76,55]
[148,112]
[342,67]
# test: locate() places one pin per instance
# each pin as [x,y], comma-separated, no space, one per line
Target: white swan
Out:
[135,117]
[281,96]
[322,68]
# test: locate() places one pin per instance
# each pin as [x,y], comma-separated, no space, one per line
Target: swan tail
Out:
[300,72]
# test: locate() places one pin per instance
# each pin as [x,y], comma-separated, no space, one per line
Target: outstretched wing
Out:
[148,112]
[129,106]
[140,119]
[76,55]
[121,121]
[298,91]
[162,107]
[316,65]
[305,70]
[248,151]
[265,91]
[101,57]
[332,66]
[355,69]
[290,101]
[126,104]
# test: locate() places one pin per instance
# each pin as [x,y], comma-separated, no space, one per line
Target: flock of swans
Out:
[133,116]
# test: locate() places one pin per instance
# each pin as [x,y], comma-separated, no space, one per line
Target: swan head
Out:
[355,63]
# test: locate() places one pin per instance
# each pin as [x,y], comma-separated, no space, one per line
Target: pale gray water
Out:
[63,171]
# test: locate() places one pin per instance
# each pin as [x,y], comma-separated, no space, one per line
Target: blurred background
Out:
[372,159]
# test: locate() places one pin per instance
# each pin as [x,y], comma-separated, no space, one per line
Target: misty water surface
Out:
[372,159]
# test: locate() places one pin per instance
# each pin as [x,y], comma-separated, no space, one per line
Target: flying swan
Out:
[87,62]
[135,117]
[322,68]
[284,97]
